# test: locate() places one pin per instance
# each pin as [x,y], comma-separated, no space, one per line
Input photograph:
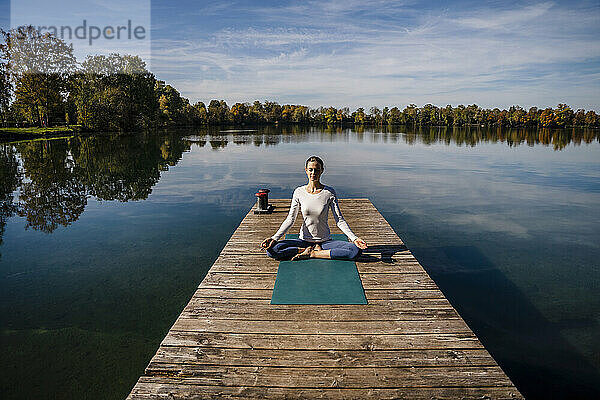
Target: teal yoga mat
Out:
[318,281]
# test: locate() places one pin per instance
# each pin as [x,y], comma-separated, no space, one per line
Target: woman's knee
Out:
[353,251]
[271,253]
[345,252]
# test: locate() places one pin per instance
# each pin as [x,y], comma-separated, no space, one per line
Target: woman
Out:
[314,200]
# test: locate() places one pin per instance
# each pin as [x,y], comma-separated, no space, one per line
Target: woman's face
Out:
[313,171]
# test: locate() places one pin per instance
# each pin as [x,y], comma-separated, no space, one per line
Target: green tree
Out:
[256,112]
[447,115]
[272,111]
[201,113]
[395,116]
[410,114]
[385,115]
[375,115]
[115,92]
[218,112]
[174,109]
[39,66]
[239,113]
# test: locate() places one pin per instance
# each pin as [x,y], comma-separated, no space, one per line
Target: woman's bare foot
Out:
[316,247]
[305,254]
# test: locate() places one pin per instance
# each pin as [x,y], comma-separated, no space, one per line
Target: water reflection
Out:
[59,175]
[51,194]
[9,181]
[508,234]
[461,136]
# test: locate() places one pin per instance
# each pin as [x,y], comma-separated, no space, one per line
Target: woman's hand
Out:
[361,244]
[268,243]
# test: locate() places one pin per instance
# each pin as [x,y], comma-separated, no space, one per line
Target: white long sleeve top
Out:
[314,209]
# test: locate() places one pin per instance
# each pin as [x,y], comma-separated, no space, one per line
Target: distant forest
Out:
[48,87]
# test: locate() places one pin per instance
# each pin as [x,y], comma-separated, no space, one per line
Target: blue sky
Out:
[357,53]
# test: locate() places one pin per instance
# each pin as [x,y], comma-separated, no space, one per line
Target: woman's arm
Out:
[291,217]
[339,218]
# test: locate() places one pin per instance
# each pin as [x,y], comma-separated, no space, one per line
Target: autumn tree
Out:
[173,108]
[591,119]
[272,111]
[201,113]
[563,115]
[330,115]
[548,118]
[300,114]
[579,118]
[359,116]
[239,113]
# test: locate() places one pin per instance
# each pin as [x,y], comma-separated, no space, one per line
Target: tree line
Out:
[42,84]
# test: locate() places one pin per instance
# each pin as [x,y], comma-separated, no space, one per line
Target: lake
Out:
[104,239]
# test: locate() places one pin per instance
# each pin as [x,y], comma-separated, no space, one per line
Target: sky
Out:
[377,53]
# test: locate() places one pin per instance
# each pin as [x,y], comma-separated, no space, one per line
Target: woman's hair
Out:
[317,159]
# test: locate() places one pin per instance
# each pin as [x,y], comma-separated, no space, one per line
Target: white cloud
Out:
[511,58]
[505,19]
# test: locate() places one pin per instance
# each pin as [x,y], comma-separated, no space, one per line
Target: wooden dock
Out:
[408,342]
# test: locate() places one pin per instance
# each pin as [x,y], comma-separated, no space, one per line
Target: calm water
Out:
[103,241]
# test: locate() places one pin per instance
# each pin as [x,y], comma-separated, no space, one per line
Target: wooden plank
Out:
[371,294]
[168,357]
[167,388]
[354,341]
[370,281]
[250,267]
[301,313]
[359,377]
[382,306]
[257,263]
[450,325]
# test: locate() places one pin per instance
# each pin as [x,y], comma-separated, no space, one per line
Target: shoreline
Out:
[10,134]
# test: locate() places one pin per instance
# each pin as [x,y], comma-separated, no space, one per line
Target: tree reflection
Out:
[51,194]
[60,175]
[471,136]
[120,169]
[9,181]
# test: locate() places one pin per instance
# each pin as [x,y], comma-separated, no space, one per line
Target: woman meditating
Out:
[314,200]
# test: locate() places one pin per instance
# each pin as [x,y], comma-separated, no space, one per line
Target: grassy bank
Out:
[33,132]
